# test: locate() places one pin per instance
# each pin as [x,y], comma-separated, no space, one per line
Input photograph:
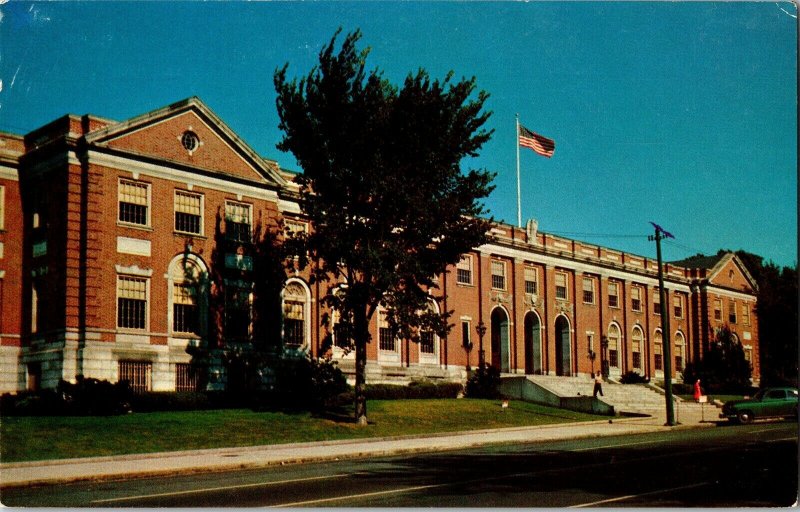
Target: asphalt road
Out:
[726,466]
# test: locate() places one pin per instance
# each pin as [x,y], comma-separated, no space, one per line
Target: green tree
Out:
[723,367]
[382,186]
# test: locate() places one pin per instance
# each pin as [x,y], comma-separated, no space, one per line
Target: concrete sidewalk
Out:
[100,468]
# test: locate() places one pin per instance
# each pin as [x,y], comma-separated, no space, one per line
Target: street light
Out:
[481,329]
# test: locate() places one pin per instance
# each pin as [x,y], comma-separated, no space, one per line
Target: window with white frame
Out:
[677,306]
[137,373]
[531,280]
[680,349]
[498,275]
[561,286]
[188,212]
[718,309]
[185,312]
[386,338]
[613,294]
[636,348]
[464,270]
[292,227]
[238,222]
[732,311]
[134,202]
[658,356]
[466,334]
[588,290]
[657,302]
[131,302]
[613,346]
[746,314]
[426,342]
[294,311]
[636,298]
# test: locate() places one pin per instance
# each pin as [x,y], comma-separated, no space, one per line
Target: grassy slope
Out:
[40,438]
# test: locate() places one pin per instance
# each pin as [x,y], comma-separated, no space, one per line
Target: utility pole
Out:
[665,333]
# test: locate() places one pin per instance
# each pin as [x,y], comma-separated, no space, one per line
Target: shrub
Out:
[723,368]
[484,383]
[93,397]
[303,383]
[633,378]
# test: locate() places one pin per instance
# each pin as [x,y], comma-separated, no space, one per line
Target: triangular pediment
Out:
[190,135]
[730,272]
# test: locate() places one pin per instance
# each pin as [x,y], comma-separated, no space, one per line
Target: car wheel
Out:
[745,417]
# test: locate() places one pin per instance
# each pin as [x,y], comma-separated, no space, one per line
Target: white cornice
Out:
[181,176]
[725,292]
[9,173]
[579,266]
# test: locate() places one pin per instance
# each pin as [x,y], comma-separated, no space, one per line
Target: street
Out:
[724,466]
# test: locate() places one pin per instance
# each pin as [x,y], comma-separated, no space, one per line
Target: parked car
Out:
[767,403]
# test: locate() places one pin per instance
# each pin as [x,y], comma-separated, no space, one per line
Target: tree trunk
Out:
[360,337]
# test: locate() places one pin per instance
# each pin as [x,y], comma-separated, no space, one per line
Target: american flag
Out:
[536,142]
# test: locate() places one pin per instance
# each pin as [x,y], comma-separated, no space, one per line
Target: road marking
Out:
[223,488]
[781,439]
[622,498]
[616,446]
[356,496]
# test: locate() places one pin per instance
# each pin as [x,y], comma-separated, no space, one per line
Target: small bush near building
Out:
[633,378]
[484,383]
[87,397]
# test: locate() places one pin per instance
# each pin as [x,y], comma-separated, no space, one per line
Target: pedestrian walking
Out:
[598,384]
[698,391]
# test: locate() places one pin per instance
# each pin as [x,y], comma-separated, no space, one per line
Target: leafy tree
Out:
[382,187]
[723,367]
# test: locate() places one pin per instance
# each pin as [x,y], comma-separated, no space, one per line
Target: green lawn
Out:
[41,438]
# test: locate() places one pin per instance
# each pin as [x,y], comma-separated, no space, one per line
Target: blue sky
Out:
[683,113]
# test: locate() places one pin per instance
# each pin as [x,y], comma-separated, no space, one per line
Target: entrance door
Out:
[500,348]
[533,344]
[563,352]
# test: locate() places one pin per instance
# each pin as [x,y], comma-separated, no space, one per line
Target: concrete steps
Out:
[635,398]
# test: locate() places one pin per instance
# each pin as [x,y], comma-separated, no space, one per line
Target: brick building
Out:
[125,247]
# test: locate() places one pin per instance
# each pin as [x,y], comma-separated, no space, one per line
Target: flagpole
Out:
[519,199]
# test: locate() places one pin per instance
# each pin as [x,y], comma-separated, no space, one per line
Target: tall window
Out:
[636,348]
[134,200]
[680,345]
[746,314]
[185,317]
[718,309]
[657,302]
[561,286]
[498,275]
[613,346]
[137,373]
[386,338]
[464,270]
[237,222]
[294,325]
[636,298]
[531,280]
[188,212]
[588,290]
[731,311]
[466,334]
[613,295]
[677,305]
[131,302]
[426,340]
[237,311]
[658,356]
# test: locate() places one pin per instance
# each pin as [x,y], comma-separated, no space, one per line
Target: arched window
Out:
[296,303]
[613,346]
[637,338]
[429,341]
[188,304]
[680,351]
[658,352]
